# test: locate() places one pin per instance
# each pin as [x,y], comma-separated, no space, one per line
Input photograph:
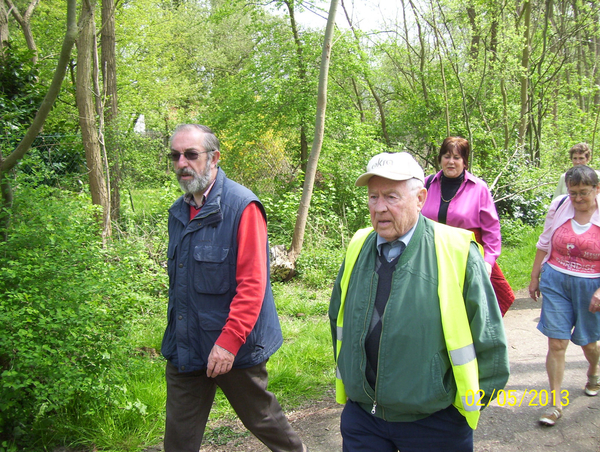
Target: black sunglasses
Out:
[189,155]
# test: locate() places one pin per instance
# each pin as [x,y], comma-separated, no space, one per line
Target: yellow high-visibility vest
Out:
[452,247]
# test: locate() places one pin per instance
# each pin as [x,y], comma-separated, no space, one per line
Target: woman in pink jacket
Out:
[457,198]
[566,271]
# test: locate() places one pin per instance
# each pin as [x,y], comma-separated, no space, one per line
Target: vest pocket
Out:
[171,261]
[211,272]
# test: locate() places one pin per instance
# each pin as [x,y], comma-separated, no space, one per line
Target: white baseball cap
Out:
[394,166]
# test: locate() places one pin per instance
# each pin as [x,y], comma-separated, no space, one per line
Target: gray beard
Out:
[198,184]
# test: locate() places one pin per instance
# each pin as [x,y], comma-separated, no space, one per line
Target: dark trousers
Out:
[444,431]
[190,397]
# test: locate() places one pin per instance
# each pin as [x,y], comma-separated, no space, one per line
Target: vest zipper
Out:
[374,409]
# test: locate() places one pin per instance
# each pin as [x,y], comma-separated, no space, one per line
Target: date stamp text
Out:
[511,398]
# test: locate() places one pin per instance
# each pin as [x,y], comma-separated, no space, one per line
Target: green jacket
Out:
[414,373]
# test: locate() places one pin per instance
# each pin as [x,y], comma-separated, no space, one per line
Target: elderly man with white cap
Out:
[417,333]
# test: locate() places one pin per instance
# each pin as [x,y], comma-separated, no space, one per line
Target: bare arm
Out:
[534,284]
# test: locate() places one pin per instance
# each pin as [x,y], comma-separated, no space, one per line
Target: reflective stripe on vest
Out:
[452,246]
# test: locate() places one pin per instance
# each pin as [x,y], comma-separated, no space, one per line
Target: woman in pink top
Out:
[457,198]
[568,261]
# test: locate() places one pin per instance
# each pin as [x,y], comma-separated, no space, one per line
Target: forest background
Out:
[89,93]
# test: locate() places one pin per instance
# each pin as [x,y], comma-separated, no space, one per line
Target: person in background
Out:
[579,154]
[222,323]
[566,271]
[457,198]
[416,328]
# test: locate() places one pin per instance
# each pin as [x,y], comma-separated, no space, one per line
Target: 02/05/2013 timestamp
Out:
[510,397]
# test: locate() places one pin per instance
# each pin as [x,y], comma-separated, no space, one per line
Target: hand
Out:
[488,267]
[595,303]
[534,289]
[220,361]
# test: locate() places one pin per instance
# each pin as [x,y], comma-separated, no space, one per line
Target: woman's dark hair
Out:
[581,175]
[458,144]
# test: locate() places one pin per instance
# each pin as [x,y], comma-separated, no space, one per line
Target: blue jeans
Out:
[444,431]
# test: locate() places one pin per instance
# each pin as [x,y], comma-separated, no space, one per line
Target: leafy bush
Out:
[513,231]
[66,309]
[20,94]
[530,209]
[57,160]
[318,267]
[143,160]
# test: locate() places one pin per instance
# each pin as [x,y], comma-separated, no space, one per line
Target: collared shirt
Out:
[391,250]
[471,208]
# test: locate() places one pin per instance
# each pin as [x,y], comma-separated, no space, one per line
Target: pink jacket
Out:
[471,208]
[556,217]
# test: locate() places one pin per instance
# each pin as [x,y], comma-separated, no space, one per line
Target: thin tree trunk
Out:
[422,56]
[99,102]
[302,77]
[87,119]
[25,24]
[311,169]
[3,28]
[368,80]
[109,76]
[359,105]
[525,73]
[474,32]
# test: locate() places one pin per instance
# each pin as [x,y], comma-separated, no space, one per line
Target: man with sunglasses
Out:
[222,322]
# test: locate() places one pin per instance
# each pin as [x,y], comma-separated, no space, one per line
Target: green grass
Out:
[299,373]
[516,260]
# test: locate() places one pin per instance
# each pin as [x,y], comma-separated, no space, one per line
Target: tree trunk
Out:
[541,104]
[359,105]
[25,24]
[299,229]
[302,77]
[525,73]
[87,118]
[422,56]
[109,76]
[368,80]
[40,117]
[3,28]
[474,32]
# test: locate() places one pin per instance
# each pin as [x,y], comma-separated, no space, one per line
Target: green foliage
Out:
[514,231]
[57,160]
[144,160]
[317,267]
[20,96]
[67,306]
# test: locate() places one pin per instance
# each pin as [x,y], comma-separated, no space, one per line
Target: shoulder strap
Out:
[562,201]
[428,181]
